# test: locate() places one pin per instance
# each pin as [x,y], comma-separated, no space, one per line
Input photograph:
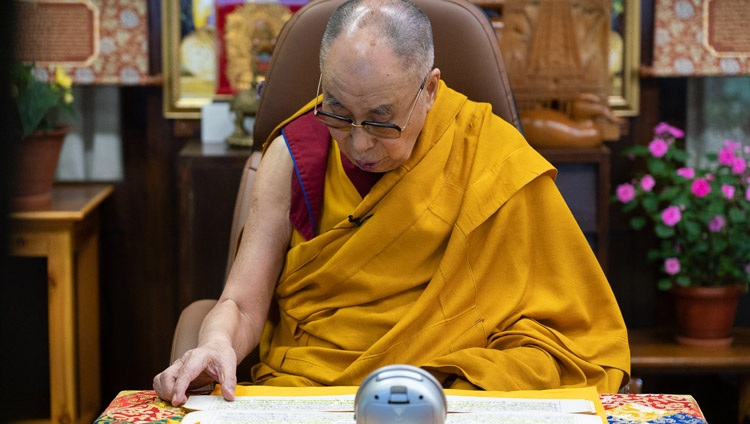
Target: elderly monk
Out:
[396,221]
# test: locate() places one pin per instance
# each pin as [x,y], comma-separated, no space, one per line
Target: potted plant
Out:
[40,99]
[699,212]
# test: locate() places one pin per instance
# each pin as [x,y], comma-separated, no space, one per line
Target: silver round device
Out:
[400,394]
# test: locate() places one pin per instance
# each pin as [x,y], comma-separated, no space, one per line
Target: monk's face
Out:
[363,80]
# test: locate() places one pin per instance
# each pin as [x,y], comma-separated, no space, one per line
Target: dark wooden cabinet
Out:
[208,176]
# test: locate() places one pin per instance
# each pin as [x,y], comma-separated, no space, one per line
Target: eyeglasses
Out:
[377,129]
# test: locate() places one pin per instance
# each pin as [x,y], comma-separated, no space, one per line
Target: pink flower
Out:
[716,224]
[739,165]
[647,182]
[688,173]
[731,144]
[726,156]
[658,147]
[701,187]
[664,128]
[671,216]
[671,266]
[625,192]
[728,191]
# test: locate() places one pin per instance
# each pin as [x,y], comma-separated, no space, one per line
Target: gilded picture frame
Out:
[625,46]
[211,53]
[184,94]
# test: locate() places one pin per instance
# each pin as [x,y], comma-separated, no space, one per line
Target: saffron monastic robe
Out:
[464,261]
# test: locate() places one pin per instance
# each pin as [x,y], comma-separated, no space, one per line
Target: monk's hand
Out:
[197,368]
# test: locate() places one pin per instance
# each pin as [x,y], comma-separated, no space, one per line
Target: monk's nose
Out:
[361,141]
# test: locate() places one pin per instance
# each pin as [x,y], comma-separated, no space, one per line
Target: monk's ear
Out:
[431,87]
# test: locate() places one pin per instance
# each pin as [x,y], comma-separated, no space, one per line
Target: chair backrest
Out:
[466,51]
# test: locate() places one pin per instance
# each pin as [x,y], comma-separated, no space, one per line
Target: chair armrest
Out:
[188,326]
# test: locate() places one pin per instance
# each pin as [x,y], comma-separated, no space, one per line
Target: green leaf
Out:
[671,193]
[700,247]
[34,103]
[683,280]
[679,155]
[636,150]
[737,216]
[656,166]
[664,284]
[650,204]
[628,207]
[692,228]
[638,222]
[720,245]
[662,231]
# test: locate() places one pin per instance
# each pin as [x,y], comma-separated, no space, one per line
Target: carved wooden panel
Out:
[556,49]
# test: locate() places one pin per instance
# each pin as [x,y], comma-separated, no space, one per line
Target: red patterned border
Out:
[122,54]
[680,48]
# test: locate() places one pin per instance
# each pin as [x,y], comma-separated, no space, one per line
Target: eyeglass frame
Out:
[365,124]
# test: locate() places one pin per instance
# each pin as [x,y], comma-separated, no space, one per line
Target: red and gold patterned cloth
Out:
[652,408]
[143,406]
[140,406]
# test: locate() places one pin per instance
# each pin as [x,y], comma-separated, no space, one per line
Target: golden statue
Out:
[243,104]
[250,35]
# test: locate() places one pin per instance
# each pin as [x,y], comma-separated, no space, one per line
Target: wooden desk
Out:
[655,352]
[67,234]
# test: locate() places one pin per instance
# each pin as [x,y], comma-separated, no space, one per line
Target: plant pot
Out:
[38,155]
[705,315]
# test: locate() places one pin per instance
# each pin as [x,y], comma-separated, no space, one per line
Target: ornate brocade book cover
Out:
[652,408]
[140,406]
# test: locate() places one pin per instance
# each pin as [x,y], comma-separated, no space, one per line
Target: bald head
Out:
[398,25]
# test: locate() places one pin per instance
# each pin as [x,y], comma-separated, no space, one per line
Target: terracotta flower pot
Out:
[36,164]
[705,315]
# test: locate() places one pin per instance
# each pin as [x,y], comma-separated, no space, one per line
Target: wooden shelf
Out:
[656,350]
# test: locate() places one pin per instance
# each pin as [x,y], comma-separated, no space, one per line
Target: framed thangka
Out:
[624,57]
[213,48]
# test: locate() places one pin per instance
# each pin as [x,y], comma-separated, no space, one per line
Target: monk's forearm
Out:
[228,326]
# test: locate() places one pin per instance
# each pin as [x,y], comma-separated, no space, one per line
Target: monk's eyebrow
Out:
[331,101]
[382,110]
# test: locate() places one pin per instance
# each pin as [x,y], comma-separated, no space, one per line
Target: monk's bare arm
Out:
[233,328]
[242,310]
